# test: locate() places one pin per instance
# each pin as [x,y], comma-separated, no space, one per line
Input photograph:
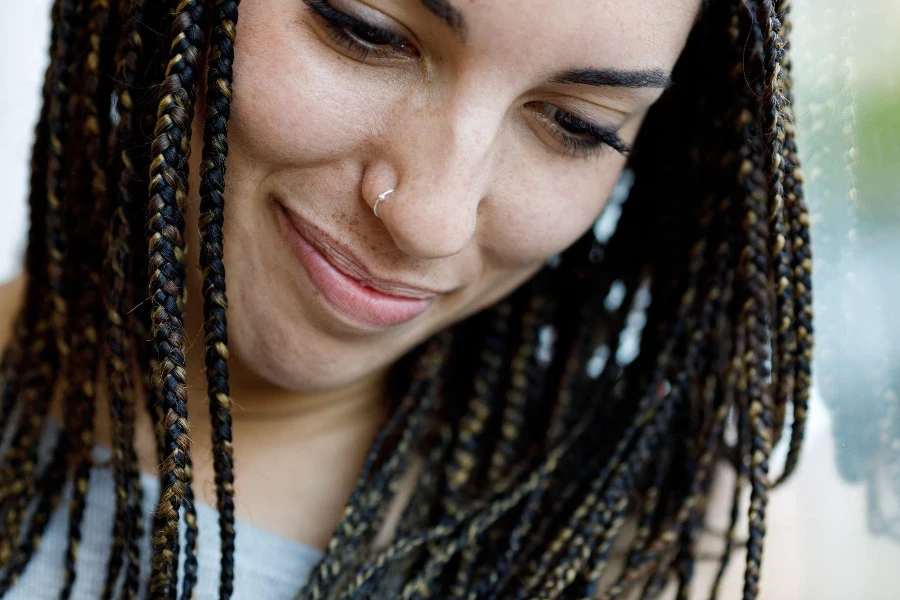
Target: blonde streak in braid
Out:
[649,510]
[571,370]
[420,507]
[573,367]
[513,418]
[604,499]
[754,314]
[138,320]
[424,582]
[191,533]
[801,263]
[471,522]
[737,387]
[438,555]
[606,510]
[754,390]
[720,384]
[512,424]
[757,308]
[470,446]
[118,274]
[156,24]
[668,538]
[552,579]
[52,480]
[168,194]
[785,343]
[734,385]
[369,491]
[215,302]
[458,470]
[9,369]
[653,554]
[426,579]
[472,424]
[30,321]
[748,181]
[35,258]
[475,425]
[425,493]
[46,350]
[715,299]
[438,446]
[85,334]
[714,304]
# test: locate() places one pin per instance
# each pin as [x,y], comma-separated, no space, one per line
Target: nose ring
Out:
[381,198]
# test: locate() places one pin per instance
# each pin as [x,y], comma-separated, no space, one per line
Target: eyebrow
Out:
[445,11]
[644,78]
[647,78]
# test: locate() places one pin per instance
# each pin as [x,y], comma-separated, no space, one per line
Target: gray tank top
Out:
[267,566]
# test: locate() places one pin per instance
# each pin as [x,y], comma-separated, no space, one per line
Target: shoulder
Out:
[12,293]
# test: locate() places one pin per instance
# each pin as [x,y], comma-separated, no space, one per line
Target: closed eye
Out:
[574,135]
[361,40]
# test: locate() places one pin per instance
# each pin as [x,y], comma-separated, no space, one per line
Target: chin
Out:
[288,352]
[277,341]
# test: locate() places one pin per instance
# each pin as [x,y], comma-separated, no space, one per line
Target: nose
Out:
[438,161]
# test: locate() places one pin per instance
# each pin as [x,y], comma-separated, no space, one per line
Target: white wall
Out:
[24,38]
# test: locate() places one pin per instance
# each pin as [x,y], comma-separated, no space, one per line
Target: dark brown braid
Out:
[801,264]
[212,218]
[757,308]
[596,395]
[89,181]
[44,347]
[128,519]
[25,331]
[168,194]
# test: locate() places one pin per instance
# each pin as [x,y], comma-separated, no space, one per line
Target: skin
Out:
[484,197]
[485,193]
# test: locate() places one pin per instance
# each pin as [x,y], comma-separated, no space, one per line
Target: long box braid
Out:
[535,456]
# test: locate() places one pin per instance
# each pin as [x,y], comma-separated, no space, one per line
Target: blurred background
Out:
[834,529]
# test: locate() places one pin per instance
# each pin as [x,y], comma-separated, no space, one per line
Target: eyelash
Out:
[586,140]
[350,32]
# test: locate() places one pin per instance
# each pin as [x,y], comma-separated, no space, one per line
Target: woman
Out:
[435,375]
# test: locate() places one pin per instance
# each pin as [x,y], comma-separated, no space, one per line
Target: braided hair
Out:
[603,391]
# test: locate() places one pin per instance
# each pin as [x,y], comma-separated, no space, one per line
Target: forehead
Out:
[580,33]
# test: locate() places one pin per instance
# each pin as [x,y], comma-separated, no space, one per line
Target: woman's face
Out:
[498,123]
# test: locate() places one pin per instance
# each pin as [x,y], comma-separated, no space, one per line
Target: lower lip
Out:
[349,297]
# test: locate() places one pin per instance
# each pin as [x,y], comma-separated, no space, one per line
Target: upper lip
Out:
[345,261]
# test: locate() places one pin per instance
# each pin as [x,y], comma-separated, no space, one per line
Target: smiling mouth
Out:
[346,284]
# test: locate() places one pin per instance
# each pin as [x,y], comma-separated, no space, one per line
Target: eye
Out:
[361,39]
[574,135]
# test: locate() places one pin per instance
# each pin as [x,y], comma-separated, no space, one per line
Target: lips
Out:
[346,285]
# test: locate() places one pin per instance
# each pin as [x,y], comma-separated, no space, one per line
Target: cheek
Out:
[544,212]
[292,103]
